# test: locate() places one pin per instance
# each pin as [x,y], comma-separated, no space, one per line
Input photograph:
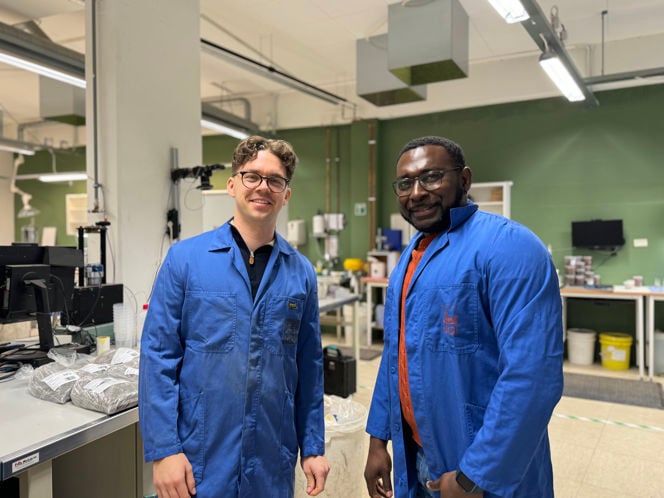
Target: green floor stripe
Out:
[610,422]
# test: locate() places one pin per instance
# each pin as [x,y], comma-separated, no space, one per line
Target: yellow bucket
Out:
[615,347]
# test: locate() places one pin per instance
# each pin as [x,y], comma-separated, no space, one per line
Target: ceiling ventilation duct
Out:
[375,83]
[428,41]
[61,102]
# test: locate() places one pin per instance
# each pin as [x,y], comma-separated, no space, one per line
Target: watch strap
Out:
[466,483]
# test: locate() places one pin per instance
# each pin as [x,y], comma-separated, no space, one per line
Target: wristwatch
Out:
[466,483]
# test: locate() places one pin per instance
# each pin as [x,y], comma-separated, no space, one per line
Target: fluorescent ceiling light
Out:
[510,10]
[40,55]
[561,77]
[42,70]
[221,121]
[70,176]
[226,130]
[18,147]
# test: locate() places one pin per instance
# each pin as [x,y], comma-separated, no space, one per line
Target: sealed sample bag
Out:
[105,394]
[53,382]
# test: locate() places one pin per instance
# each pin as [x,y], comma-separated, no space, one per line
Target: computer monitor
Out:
[34,283]
[27,293]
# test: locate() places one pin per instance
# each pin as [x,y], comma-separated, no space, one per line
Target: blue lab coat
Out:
[235,384]
[485,352]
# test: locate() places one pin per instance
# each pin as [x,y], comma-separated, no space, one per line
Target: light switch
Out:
[640,242]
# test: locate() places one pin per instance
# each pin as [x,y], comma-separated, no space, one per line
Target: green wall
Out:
[567,162]
[49,198]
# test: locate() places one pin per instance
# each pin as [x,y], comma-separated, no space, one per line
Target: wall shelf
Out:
[494,197]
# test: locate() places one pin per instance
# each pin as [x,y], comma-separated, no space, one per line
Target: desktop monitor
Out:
[34,283]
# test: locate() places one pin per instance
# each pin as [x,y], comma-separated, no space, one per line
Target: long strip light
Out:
[42,70]
[24,148]
[510,10]
[561,77]
[65,176]
[555,59]
[227,130]
[41,56]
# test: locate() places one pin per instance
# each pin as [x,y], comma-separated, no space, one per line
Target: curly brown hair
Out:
[248,149]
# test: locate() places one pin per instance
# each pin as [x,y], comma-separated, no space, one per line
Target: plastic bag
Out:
[343,416]
[127,370]
[119,355]
[53,382]
[105,394]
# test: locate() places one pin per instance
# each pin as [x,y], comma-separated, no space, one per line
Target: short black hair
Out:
[453,149]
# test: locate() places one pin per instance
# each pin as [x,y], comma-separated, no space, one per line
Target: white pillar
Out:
[147,101]
[6,198]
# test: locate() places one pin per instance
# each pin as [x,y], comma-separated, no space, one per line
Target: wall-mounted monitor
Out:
[604,235]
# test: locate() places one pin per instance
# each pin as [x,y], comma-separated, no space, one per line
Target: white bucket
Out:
[581,346]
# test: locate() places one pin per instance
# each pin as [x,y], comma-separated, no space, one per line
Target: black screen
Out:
[598,234]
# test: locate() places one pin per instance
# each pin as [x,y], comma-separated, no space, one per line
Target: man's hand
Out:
[449,487]
[173,477]
[378,470]
[316,468]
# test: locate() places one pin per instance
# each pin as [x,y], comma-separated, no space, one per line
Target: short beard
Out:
[443,223]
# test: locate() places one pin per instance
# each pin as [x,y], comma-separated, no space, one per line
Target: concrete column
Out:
[146,66]
[6,199]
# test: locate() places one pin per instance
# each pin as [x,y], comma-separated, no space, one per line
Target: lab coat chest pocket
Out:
[211,319]
[451,323]
[282,324]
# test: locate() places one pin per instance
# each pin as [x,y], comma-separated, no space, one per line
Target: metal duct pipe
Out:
[327,170]
[246,104]
[372,186]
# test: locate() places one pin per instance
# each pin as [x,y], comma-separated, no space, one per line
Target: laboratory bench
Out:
[63,450]
[644,300]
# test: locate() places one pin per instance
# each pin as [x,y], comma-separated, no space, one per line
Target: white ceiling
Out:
[314,40]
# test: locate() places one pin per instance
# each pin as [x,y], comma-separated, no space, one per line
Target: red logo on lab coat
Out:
[450,321]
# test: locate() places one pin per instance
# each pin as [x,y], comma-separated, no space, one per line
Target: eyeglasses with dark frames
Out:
[251,179]
[429,180]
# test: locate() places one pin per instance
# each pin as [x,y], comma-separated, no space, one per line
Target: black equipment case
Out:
[339,372]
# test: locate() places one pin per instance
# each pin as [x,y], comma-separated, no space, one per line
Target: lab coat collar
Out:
[223,240]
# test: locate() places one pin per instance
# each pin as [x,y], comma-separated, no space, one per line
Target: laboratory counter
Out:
[37,432]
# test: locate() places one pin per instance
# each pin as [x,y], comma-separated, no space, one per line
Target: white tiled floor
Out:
[595,453]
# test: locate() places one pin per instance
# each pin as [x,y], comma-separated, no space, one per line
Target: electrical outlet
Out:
[640,242]
[360,209]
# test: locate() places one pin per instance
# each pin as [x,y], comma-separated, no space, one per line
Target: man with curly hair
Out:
[231,378]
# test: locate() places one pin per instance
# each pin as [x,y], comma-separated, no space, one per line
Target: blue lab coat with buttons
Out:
[485,351]
[234,383]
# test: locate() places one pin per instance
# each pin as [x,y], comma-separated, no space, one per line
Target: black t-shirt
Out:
[255,262]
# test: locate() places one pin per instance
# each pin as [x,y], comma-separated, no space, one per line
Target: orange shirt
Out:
[404,388]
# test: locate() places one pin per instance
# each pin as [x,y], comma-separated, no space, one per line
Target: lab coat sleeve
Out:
[310,416]
[161,356]
[378,421]
[525,306]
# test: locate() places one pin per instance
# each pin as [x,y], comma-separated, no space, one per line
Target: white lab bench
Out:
[63,450]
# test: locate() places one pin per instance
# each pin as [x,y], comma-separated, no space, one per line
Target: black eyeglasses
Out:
[251,179]
[429,180]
